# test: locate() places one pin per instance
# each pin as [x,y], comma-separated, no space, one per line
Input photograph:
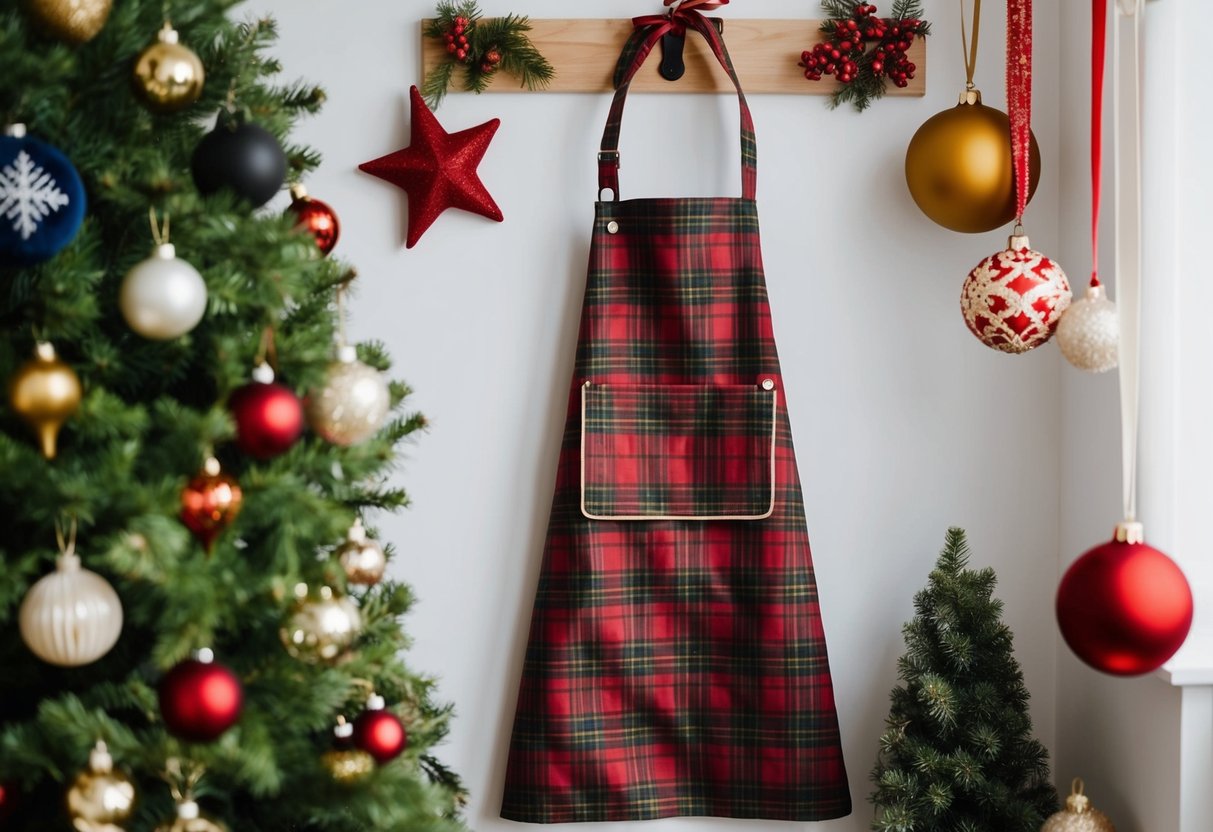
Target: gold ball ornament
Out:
[1079,815]
[352,404]
[959,167]
[74,21]
[190,819]
[361,557]
[71,617]
[100,798]
[1089,332]
[168,76]
[348,767]
[45,392]
[321,628]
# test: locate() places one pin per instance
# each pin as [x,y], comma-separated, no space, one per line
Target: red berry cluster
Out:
[492,59]
[841,53]
[456,38]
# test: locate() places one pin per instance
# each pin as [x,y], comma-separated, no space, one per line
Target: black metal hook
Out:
[673,66]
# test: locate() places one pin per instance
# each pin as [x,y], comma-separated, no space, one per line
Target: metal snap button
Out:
[612,227]
[768,384]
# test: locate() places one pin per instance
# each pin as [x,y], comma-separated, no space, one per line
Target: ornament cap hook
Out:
[298,192]
[347,354]
[1095,292]
[165,251]
[44,351]
[376,702]
[1019,241]
[263,373]
[970,96]
[357,533]
[99,759]
[15,130]
[1130,531]
[167,33]
[188,810]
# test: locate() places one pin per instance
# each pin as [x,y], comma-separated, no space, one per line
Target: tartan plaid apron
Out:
[676,663]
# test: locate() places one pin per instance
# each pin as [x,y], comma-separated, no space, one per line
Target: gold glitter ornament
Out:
[361,557]
[348,766]
[168,76]
[321,628]
[352,404]
[190,819]
[1079,815]
[1089,332]
[100,798]
[74,21]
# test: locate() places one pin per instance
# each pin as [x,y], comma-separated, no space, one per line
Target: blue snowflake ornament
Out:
[41,200]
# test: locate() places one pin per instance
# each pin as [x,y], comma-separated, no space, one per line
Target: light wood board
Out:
[765,52]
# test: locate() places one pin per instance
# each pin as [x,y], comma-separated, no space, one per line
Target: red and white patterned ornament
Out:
[1013,299]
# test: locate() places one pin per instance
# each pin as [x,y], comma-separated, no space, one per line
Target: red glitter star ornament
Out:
[438,169]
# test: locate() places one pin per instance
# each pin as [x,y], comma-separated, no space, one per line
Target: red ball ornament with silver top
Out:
[1124,607]
[379,732]
[1013,300]
[316,217]
[200,699]
[269,416]
[210,503]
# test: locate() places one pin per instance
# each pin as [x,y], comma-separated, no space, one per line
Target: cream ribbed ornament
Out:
[190,819]
[1079,815]
[72,617]
[1089,332]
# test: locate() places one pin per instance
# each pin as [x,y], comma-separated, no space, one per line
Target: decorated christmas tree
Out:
[957,754]
[195,629]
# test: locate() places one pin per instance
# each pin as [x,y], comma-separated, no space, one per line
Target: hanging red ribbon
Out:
[1019,94]
[1099,48]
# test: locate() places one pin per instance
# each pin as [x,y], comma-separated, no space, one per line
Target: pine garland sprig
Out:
[482,47]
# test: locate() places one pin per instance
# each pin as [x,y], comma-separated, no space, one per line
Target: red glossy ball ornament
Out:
[318,218]
[1124,607]
[200,699]
[210,502]
[379,732]
[269,416]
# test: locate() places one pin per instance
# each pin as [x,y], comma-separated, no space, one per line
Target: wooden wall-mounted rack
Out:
[765,53]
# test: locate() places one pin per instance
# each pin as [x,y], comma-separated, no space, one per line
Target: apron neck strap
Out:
[647,34]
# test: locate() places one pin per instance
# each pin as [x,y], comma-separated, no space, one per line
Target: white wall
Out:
[904,424]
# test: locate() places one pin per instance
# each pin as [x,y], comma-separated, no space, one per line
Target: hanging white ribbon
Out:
[1127,119]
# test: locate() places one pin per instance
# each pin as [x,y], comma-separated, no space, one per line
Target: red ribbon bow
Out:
[676,20]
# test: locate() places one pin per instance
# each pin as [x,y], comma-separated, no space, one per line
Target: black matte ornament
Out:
[243,158]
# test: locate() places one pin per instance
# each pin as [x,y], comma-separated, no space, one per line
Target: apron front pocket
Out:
[677,452]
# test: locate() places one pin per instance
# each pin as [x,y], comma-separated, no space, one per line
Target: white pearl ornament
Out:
[1089,332]
[72,617]
[163,297]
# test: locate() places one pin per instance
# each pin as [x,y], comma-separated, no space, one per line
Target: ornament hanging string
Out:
[968,43]
[1099,48]
[66,540]
[1127,106]
[159,232]
[1019,96]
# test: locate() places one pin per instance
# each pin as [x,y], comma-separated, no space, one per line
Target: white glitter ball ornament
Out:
[72,617]
[1089,332]
[1013,299]
[352,404]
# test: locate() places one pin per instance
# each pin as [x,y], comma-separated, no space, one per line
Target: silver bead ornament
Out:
[1089,332]
[71,617]
[353,403]
[162,297]
[361,557]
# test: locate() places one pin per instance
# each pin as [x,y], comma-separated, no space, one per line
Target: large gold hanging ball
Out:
[1079,815]
[74,21]
[100,798]
[168,76]
[44,392]
[959,167]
